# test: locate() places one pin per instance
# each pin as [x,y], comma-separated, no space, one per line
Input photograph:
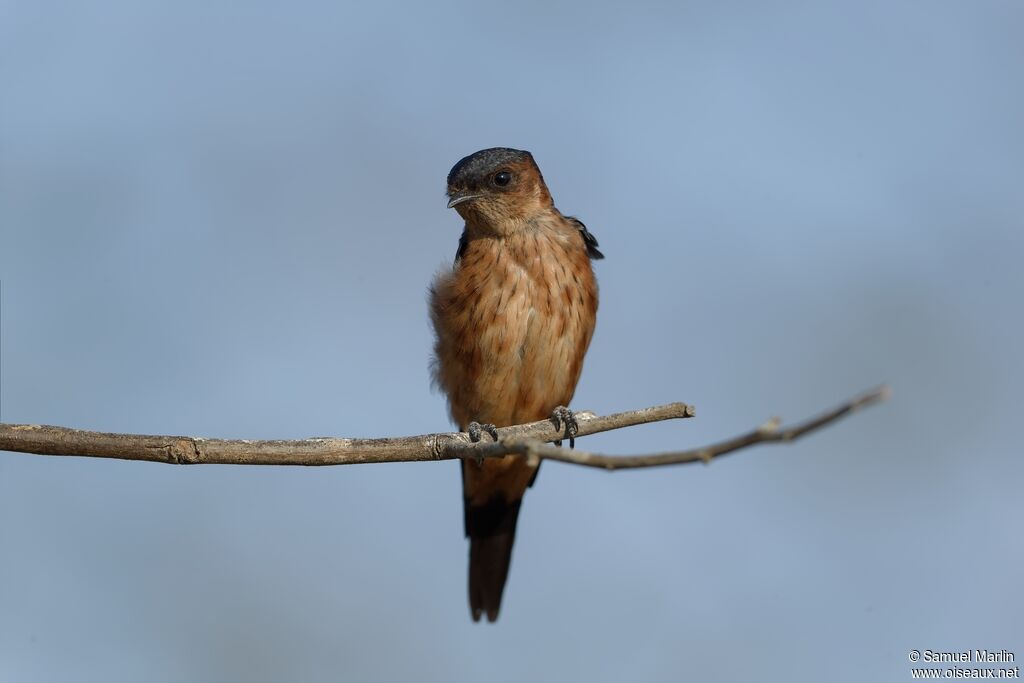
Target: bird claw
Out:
[476,430]
[563,416]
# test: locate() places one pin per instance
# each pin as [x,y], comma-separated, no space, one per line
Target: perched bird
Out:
[513,319]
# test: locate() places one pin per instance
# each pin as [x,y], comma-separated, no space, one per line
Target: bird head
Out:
[496,189]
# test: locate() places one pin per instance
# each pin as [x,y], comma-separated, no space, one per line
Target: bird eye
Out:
[502,179]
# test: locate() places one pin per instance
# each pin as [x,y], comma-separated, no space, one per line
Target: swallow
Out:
[512,317]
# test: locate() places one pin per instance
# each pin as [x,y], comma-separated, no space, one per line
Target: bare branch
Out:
[527,439]
[191,450]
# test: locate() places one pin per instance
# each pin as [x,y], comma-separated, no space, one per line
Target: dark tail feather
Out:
[491,529]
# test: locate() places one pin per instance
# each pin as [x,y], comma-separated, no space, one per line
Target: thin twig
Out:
[769,432]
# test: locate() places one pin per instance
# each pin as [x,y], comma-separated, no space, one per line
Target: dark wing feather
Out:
[589,240]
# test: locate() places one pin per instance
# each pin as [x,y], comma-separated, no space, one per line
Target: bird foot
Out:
[476,430]
[563,416]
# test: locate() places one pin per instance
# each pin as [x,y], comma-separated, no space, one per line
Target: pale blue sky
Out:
[223,222]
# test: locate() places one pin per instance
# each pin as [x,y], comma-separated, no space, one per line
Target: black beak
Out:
[461,197]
